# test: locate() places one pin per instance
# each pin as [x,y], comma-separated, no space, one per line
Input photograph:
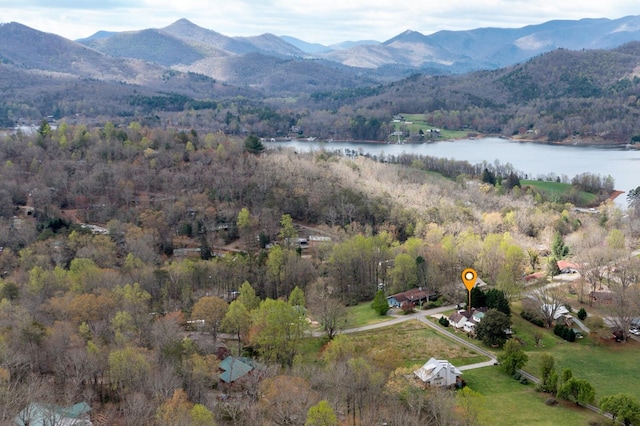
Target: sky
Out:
[325,22]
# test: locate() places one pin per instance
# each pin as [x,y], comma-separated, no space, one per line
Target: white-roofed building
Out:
[437,372]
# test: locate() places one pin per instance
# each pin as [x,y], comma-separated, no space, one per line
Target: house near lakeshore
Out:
[438,372]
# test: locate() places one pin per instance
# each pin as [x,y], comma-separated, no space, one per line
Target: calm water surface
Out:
[532,159]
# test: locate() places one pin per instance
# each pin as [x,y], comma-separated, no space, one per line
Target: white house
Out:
[457,320]
[437,372]
[469,327]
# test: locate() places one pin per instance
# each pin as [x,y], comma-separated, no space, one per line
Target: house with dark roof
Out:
[465,320]
[457,320]
[415,296]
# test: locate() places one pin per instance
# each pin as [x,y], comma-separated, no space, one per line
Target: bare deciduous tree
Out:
[625,301]
[330,312]
[550,298]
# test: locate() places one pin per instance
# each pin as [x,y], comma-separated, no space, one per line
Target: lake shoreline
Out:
[578,143]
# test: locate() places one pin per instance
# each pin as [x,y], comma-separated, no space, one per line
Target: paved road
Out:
[396,319]
[422,316]
[579,323]
[492,358]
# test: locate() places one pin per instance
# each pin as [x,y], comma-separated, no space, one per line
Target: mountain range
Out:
[184,46]
[189,47]
[200,63]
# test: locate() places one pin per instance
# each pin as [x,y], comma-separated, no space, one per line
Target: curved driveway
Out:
[422,317]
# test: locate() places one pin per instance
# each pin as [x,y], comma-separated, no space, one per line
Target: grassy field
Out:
[362,314]
[552,189]
[412,344]
[506,401]
[610,368]
[408,344]
[417,123]
[607,367]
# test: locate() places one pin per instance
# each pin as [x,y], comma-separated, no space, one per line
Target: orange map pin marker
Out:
[469,277]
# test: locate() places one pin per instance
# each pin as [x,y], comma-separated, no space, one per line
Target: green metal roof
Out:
[233,368]
[36,414]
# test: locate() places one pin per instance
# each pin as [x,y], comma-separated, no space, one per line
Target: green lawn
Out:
[552,189]
[417,123]
[506,401]
[608,367]
[363,314]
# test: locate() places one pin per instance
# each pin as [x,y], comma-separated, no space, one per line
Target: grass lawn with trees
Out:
[362,314]
[418,123]
[506,401]
[557,189]
[607,366]
[408,344]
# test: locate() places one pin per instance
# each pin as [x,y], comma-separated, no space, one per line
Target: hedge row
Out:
[532,318]
[565,332]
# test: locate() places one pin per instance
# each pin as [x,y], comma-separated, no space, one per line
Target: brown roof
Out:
[413,295]
[563,264]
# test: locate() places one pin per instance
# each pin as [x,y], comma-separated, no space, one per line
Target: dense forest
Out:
[116,240]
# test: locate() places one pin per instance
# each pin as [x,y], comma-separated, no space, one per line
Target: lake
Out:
[532,159]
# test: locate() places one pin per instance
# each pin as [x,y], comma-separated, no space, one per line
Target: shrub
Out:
[532,317]
[380,304]
[444,321]
[582,314]
[565,332]
[432,304]
[407,308]
[594,322]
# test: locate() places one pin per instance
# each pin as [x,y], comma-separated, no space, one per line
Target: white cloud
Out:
[319,21]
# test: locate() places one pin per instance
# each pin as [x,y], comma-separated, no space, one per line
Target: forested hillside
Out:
[123,246]
[590,95]
[564,96]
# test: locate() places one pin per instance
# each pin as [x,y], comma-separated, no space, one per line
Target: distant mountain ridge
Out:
[451,52]
[287,66]
[186,74]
